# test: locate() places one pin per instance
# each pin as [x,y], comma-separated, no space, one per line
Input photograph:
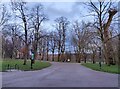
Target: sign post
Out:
[32,59]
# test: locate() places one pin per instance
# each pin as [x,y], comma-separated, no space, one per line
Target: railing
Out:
[9,67]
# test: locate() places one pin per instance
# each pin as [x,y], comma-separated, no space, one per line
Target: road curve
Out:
[60,75]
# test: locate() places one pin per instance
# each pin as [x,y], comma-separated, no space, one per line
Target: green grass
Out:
[104,68]
[37,66]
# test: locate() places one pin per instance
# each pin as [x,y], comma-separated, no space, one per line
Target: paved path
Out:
[60,75]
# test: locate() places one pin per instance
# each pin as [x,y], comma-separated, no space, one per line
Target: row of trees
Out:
[23,31]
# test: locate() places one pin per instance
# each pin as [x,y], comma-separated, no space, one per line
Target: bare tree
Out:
[42,47]
[80,38]
[37,18]
[53,43]
[47,46]
[13,32]
[104,13]
[21,8]
[4,15]
[62,24]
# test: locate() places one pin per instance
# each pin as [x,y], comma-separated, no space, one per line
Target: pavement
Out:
[60,75]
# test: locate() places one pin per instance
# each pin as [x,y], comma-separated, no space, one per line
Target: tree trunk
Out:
[35,53]
[84,60]
[62,57]
[47,48]
[107,43]
[93,58]
[52,55]
[58,57]
[25,54]
[26,40]
[85,57]
[108,48]
[59,54]
[47,55]
[25,59]
[118,53]
[79,58]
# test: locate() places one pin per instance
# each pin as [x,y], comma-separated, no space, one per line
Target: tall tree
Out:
[104,13]
[21,8]
[62,24]
[80,38]
[4,17]
[53,43]
[37,18]
[13,32]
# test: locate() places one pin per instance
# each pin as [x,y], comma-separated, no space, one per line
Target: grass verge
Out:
[37,66]
[104,67]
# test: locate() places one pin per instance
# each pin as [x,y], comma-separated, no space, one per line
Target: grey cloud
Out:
[53,12]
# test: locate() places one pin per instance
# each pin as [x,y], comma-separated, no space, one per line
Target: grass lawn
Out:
[104,68]
[37,66]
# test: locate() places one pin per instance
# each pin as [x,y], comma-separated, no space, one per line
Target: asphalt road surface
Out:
[60,75]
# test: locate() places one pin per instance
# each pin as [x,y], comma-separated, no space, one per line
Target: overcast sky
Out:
[71,10]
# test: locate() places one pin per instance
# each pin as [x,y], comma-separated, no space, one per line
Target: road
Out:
[60,75]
